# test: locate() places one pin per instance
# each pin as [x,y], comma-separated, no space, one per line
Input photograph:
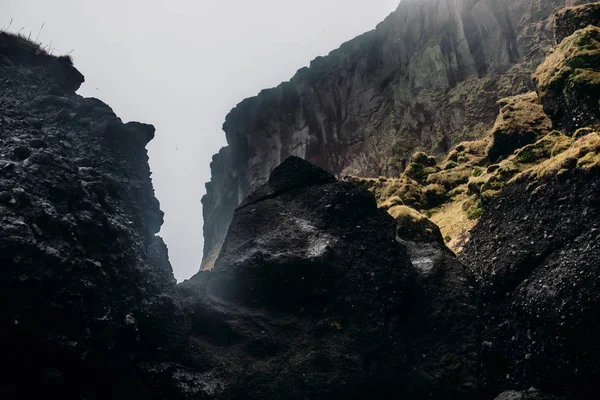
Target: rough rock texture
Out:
[529,395]
[313,296]
[316,293]
[571,19]
[569,80]
[535,257]
[79,259]
[429,76]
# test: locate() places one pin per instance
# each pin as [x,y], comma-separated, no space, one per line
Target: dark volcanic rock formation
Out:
[316,292]
[428,77]
[536,259]
[314,297]
[79,260]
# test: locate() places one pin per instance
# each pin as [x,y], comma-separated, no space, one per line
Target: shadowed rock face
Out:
[428,77]
[79,262]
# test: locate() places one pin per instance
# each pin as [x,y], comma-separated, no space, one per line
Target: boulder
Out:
[313,296]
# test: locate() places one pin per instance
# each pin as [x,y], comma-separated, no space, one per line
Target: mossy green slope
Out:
[569,80]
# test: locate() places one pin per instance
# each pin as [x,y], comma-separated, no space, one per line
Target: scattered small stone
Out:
[21,153]
[37,229]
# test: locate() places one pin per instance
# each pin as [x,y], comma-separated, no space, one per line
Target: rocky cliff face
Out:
[80,263]
[428,77]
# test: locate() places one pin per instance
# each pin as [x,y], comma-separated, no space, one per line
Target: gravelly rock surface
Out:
[528,395]
[535,259]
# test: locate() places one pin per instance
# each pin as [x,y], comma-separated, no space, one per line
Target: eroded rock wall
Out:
[427,77]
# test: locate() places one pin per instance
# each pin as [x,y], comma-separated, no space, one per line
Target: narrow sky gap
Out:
[181,65]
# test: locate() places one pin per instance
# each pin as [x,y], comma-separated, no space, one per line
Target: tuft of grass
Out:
[451,178]
[420,167]
[454,223]
[17,40]
[475,211]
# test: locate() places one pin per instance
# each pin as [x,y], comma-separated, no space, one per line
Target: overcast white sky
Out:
[182,65]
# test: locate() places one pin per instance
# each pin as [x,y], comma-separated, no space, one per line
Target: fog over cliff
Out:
[182,65]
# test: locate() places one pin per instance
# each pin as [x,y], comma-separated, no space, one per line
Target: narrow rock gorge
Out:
[322,286]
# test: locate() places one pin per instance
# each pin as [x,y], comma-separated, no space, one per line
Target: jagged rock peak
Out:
[292,173]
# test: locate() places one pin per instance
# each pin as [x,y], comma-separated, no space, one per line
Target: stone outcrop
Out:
[322,289]
[80,262]
[426,78]
[521,121]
